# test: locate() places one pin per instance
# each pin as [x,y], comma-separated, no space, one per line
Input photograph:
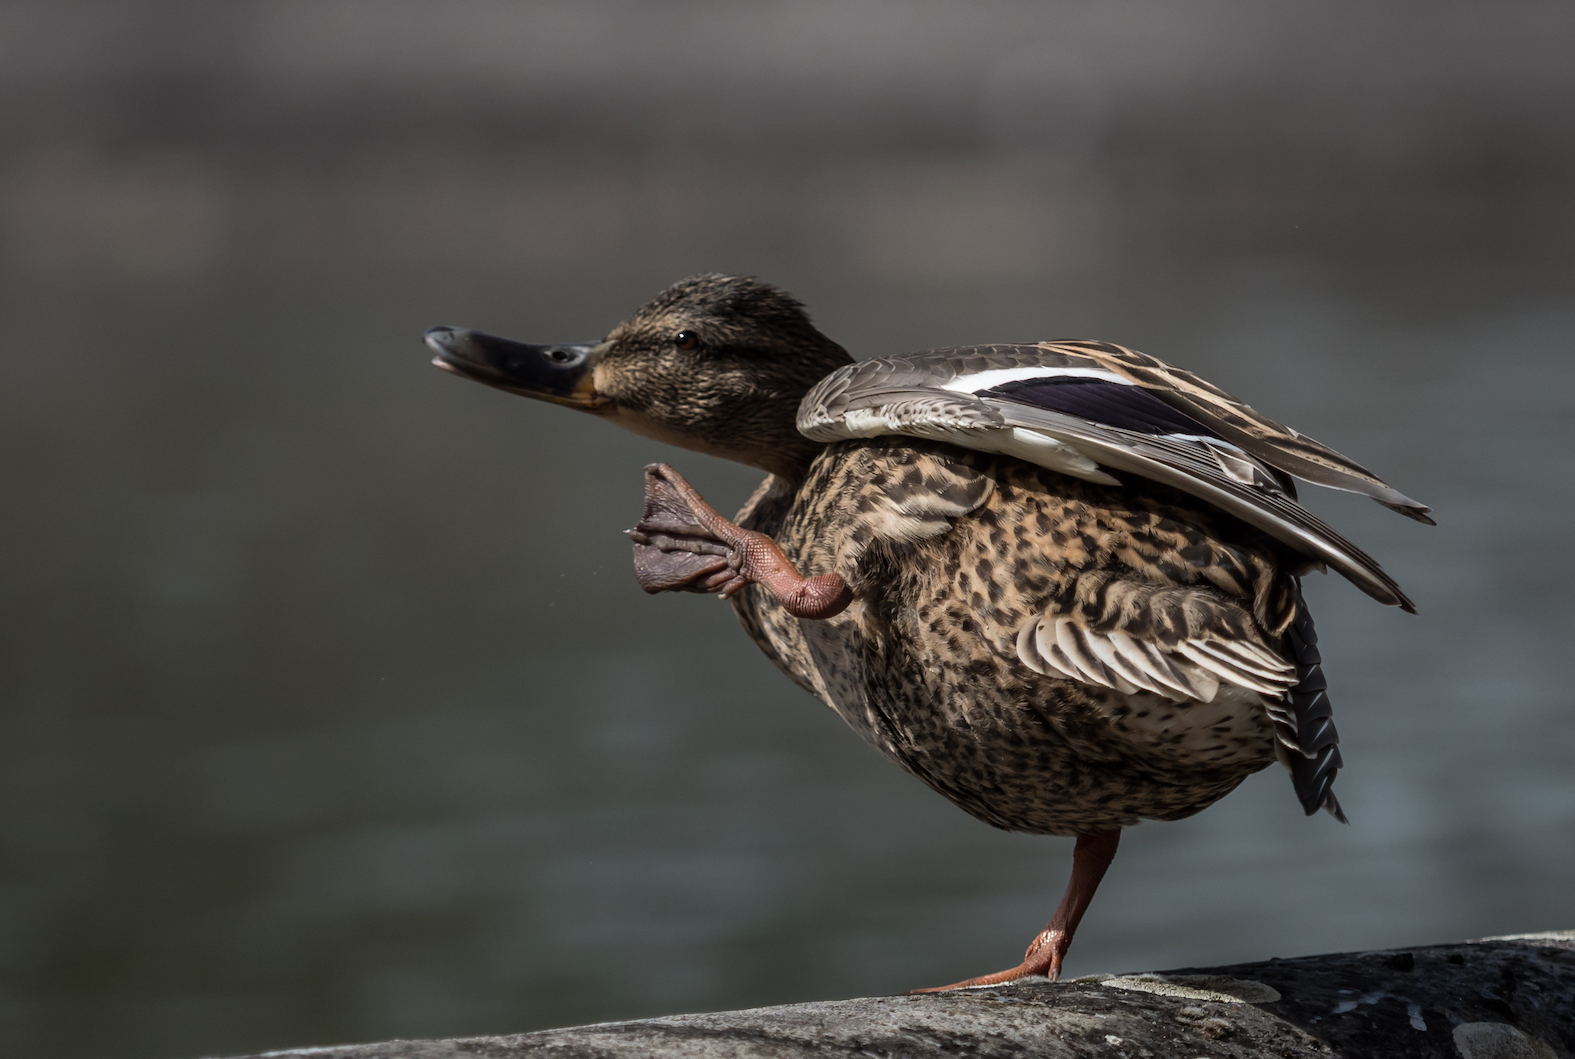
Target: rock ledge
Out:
[1498,998]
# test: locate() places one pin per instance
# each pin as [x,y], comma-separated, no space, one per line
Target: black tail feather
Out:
[1311,737]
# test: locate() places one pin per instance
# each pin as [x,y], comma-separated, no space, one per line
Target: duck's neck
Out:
[789,461]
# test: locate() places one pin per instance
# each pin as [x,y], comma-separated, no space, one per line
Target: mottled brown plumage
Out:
[942,554]
[948,554]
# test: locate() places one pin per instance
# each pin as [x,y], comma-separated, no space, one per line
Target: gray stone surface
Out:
[1499,998]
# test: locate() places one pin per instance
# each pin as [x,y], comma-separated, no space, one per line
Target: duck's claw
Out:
[681,544]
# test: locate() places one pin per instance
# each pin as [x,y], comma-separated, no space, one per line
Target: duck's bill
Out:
[560,373]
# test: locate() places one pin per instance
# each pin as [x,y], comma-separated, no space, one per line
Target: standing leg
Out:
[1090,858]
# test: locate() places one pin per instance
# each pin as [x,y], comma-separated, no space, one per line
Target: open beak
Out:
[558,373]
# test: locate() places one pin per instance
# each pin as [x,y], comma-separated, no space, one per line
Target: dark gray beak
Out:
[560,373]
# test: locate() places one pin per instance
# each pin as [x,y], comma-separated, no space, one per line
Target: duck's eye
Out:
[686,340]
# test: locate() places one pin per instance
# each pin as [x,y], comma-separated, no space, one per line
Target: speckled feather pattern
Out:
[949,552]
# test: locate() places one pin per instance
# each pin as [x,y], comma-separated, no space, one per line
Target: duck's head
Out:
[717,364]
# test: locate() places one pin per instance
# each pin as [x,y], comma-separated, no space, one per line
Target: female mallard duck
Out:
[1057,582]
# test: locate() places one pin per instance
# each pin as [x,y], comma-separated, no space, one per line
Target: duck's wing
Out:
[1229,419]
[1089,409]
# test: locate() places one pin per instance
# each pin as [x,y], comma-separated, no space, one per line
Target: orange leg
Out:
[1090,858]
[683,543]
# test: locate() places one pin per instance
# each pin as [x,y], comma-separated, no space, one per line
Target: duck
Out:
[1057,582]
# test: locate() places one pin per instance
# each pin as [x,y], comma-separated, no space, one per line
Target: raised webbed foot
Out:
[682,544]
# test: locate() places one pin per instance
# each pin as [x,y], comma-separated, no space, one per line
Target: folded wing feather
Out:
[1239,423]
[1177,641]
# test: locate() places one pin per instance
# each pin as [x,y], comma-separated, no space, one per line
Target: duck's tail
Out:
[1304,725]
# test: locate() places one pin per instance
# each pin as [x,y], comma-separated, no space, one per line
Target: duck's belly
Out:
[1016,749]
[1047,756]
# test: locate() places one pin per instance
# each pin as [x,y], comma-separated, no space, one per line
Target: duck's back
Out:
[981,581]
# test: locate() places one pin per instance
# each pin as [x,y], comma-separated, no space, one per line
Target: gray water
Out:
[332,710]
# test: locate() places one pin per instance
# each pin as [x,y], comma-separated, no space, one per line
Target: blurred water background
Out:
[331,709]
